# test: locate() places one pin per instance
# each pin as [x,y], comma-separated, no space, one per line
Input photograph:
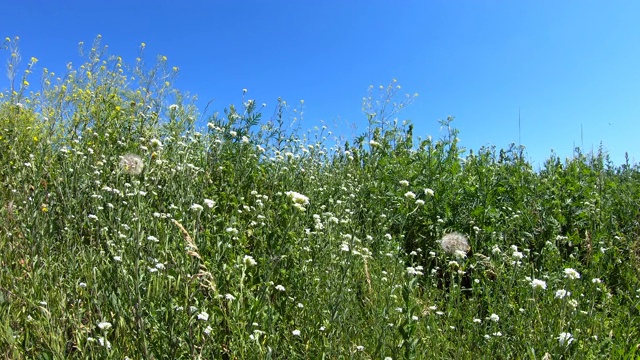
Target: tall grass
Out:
[128,232]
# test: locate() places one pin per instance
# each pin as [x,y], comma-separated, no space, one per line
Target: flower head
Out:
[565,339]
[560,294]
[410,195]
[249,260]
[297,198]
[571,273]
[535,283]
[196,207]
[105,325]
[203,316]
[131,164]
[454,243]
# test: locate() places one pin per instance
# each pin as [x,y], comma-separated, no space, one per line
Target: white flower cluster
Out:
[299,200]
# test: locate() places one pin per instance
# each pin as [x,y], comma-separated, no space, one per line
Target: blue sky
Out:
[571,67]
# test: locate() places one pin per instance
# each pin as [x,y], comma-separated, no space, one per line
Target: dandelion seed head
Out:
[131,164]
[454,243]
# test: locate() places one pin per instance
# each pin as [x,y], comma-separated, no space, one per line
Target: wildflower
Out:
[296,332]
[517,255]
[173,107]
[571,273]
[196,207]
[360,348]
[344,247]
[494,318]
[535,283]
[92,217]
[279,287]
[208,330]
[374,143]
[565,339]
[404,182]
[419,202]
[229,297]
[596,281]
[152,238]
[455,243]
[131,164]
[410,195]
[203,316]
[297,198]
[249,260]
[429,192]
[155,143]
[117,258]
[477,321]
[560,294]
[105,325]
[104,342]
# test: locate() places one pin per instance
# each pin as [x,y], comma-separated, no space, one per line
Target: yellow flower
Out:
[35,139]
[25,83]
[143,45]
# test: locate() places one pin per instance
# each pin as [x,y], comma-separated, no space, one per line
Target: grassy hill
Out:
[128,232]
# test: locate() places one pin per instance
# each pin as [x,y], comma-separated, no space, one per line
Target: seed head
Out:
[454,243]
[131,164]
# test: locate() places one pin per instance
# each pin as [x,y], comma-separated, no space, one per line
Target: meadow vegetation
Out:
[132,228]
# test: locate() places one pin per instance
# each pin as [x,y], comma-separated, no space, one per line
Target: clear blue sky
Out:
[568,65]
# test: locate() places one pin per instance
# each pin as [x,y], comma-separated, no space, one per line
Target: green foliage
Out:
[248,240]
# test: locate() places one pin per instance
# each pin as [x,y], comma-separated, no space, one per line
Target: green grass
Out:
[248,240]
